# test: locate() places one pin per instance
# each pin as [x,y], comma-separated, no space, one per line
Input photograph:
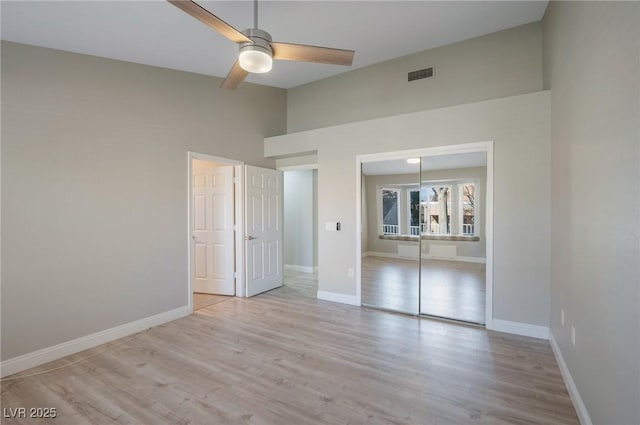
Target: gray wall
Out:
[501,64]
[592,65]
[94,186]
[519,128]
[381,111]
[300,227]
[474,249]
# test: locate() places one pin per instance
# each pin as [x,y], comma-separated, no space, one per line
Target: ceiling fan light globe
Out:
[255,61]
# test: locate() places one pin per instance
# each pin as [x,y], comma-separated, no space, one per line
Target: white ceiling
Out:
[157,33]
[440,162]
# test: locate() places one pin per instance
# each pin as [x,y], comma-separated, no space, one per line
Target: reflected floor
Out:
[451,289]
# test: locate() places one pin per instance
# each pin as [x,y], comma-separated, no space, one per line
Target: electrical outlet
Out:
[350,272]
[573,336]
[562,317]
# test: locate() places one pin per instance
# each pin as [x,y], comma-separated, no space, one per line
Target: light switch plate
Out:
[332,226]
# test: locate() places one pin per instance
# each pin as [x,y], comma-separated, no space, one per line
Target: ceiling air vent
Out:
[420,74]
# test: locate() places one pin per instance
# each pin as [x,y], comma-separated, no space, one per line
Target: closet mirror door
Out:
[390,235]
[452,269]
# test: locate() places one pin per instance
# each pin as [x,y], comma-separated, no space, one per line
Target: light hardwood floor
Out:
[201,301]
[304,284]
[451,289]
[286,358]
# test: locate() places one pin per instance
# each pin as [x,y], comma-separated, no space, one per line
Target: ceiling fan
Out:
[257,51]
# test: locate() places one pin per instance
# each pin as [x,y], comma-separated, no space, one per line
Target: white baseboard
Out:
[339,298]
[45,355]
[519,328]
[579,405]
[480,260]
[302,269]
[385,255]
[380,254]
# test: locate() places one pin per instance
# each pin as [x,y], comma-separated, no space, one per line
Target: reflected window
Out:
[390,212]
[414,212]
[468,210]
[436,210]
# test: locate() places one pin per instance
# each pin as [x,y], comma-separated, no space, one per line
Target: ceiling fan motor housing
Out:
[260,41]
[256,56]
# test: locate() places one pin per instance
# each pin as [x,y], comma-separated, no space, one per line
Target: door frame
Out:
[238,220]
[486,147]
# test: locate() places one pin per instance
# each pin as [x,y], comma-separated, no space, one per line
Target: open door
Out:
[213,234]
[263,232]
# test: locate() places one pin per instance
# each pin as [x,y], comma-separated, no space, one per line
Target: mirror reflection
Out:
[390,235]
[453,244]
[423,241]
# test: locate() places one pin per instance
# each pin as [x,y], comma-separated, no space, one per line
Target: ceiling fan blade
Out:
[211,20]
[303,53]
[235,77]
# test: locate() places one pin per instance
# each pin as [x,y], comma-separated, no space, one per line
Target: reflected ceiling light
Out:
[413,161]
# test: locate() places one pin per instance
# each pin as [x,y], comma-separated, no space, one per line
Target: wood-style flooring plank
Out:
[205,300]
[286,358]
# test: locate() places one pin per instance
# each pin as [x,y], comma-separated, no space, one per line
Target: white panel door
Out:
[263,229]
[213,236]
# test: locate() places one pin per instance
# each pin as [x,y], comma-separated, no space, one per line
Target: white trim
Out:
[45,355]
[358,227]
[298,167]
[302,269]
[239,229]
[339,298]
[239,220]
[488,234]
[578,404]
[519,328]
[434,151]
[478,260]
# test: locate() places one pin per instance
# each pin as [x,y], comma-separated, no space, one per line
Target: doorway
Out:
[425,242]
[301,230]
[215,215]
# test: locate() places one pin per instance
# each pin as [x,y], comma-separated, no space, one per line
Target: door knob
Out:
[249,238]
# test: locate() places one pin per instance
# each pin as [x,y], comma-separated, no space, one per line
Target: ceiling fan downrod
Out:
[255,14]
[256,56]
